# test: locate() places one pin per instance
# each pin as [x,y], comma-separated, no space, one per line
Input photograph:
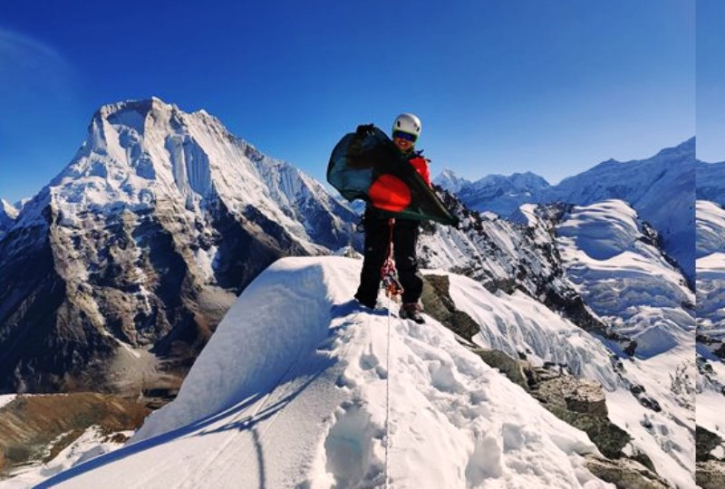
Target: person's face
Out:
[405,142]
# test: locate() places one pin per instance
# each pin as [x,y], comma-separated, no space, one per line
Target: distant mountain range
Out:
[661,189]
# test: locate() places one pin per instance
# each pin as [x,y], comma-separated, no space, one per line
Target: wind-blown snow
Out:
[301,388]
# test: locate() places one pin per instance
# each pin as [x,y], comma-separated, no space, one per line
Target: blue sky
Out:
[552,87]
[710,81]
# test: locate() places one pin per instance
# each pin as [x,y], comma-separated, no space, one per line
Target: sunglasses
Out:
[404,135]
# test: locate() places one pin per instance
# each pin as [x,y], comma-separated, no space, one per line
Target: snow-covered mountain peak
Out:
[135,154]
[449,181]
[660,189]
[8,216]
[159,211]
[517,181]
[7,209]
[448,173]
[640,183]
[529,179]
[513,183]
[140,153]
[606,165]
[665,156]
[684,149]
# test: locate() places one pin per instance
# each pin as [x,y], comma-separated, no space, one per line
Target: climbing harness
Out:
[389,274]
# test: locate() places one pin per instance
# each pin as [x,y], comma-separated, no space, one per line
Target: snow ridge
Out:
[309,408]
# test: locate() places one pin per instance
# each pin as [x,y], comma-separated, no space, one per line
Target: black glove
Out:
[364,130]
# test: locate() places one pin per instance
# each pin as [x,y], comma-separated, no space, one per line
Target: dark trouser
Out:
[405,239]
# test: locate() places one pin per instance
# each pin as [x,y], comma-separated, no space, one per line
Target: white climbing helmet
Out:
[407,123]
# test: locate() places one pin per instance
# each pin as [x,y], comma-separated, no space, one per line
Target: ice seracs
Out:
[624,277]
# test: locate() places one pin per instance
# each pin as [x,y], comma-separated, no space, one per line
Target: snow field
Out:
[668,436]
[711,400]
[517,323]
[292,391]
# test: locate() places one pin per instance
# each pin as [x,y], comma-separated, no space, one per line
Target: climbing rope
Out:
[393,290]
[387,400]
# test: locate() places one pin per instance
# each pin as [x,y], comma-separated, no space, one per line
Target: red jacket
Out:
[421,166]
[389,193]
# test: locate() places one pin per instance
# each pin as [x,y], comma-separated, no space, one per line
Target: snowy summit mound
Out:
[301,388]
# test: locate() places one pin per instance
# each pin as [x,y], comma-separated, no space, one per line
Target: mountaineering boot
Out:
[412,311]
